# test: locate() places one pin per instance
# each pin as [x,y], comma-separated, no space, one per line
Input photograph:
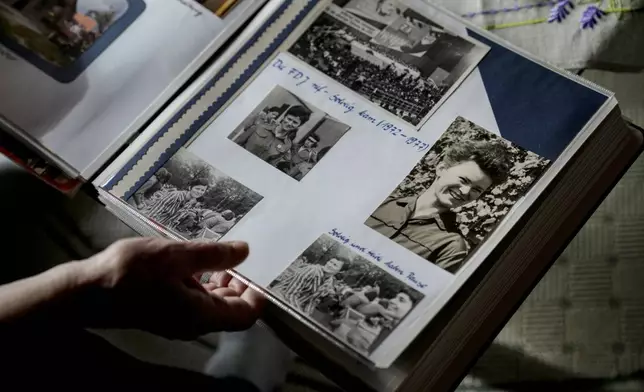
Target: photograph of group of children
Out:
[193,199]
[348,295]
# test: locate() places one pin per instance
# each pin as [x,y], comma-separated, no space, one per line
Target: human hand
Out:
[149,284]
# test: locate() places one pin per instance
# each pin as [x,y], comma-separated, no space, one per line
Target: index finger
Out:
[199,256]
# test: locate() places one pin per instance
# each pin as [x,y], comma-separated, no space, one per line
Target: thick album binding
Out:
[372,154]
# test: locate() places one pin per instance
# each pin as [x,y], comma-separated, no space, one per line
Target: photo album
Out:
[377,156]
[371,153]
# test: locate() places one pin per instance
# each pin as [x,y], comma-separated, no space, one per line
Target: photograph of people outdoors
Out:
[288,133]
[349,296]
[389,54]
[60,31]
[193,199]
[457,194]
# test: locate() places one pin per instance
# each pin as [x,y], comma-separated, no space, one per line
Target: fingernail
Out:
[239,246]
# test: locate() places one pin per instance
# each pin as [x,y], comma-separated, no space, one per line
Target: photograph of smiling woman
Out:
[465,173]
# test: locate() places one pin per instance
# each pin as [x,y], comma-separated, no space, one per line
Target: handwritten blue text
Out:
[393,267]
[347,105]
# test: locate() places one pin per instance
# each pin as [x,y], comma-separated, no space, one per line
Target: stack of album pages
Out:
[403,178]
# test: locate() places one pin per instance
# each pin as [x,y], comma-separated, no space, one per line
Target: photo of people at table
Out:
[59,31]
[288,133]
[193,199]
[351,297]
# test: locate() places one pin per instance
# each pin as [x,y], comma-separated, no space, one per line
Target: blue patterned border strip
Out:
[215,106]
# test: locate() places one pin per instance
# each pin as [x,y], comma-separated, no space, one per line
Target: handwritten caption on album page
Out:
[347,105]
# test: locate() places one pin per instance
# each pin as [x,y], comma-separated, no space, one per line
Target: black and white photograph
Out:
[457,194]
[348,295]
[193,199]
[288,133]
[389,54]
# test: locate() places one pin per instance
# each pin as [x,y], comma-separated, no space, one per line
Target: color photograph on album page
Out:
[62,38]
[390,54]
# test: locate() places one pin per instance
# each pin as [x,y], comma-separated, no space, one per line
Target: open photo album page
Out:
[441,211]
[360,207]
[61,33]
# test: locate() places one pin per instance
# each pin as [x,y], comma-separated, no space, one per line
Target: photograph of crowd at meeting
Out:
[288,133]
[352,298]
[59,31]
[193,199]
[387,53]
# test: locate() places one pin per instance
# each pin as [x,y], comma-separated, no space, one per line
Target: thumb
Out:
[210,256]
